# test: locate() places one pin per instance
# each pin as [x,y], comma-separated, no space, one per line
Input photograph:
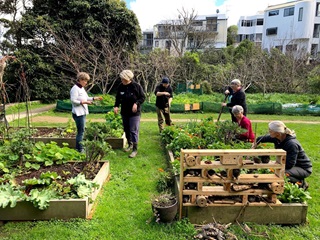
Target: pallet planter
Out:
[58,209]
[202,197]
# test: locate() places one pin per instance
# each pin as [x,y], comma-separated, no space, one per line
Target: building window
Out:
[272,31]
[259,37]
[288,12]
[156,43]
[316,30]
[196,23]
[300,14]
[212,23]
[318,10]
[273,13]
[291,47]
[314,50]
[260,22]
[168,45]
[279,47]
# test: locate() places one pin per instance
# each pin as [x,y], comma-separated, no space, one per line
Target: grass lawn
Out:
[124,209]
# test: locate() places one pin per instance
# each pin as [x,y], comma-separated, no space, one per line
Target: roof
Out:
[198,17]
[284,5]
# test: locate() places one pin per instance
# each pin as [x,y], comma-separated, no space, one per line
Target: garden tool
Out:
[225,99]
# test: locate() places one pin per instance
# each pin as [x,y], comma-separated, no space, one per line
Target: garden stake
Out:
[225,99]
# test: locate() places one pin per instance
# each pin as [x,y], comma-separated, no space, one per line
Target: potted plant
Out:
[164,207]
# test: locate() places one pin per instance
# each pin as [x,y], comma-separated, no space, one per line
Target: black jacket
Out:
[162,102]
[295,153]
[238,98]
[127,95]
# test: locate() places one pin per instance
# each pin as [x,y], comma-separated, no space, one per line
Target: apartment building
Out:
[251,28]
[181,35]
[293,27]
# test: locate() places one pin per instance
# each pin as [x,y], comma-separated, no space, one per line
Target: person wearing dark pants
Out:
[163,102]
[237,96]
[298,165]
[80,101]
[130,96]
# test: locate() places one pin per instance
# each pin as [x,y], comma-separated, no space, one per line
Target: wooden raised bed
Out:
[116,143]
[58,209]
[260,213]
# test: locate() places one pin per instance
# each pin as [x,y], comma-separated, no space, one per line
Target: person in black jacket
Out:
[298,165]
[163,102]
[237,97]
[130,96]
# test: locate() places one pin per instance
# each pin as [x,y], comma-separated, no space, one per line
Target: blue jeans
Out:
[80,123]
[131,128]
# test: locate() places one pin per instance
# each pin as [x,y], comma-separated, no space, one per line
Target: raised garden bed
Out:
[58,209]
[48,134]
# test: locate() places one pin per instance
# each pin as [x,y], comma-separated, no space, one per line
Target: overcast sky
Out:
[150,12]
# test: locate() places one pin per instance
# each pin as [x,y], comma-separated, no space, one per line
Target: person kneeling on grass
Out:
[298,165]
[244,123]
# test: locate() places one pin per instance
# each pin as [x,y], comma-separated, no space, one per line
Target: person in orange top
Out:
[244,123]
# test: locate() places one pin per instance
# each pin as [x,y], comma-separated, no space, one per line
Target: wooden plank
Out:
[217,164]
[245,152]
[293,213]
[243,178]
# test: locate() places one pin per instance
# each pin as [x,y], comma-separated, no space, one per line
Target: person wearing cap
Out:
[130,96]
[244,123]
[298,165]
[80,101]
[237,97]
[163,102]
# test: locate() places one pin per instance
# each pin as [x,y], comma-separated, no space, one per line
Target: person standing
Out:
[298,165]
[163,102]
[80,101]
[130,96]
[244,123]
[237,97]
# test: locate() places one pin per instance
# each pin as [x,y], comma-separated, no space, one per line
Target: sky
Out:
[150,12]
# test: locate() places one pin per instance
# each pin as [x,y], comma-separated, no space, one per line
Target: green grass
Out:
[124,209]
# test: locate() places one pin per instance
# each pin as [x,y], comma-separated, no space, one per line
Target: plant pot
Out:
[166,214]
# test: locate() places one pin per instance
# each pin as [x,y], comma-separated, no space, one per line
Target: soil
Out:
[72,170]
[53,132]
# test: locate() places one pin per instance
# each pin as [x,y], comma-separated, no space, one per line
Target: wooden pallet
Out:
[203,186]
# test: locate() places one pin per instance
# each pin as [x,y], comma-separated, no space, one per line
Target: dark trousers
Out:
[131,126]
[80,123]
[163,113]
[297,174]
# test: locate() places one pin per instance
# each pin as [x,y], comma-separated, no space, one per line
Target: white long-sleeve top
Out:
[77,95]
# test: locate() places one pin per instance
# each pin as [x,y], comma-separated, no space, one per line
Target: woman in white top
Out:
[80,100]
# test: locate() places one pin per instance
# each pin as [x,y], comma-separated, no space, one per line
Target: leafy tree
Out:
[232,33]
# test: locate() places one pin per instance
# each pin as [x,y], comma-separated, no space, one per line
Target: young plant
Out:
[293,194]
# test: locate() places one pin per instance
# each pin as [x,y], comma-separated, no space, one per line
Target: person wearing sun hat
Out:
[298,165]
[237,96]
[130,96]
[164,95]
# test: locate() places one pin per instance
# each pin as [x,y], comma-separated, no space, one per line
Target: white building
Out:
[204,32]
[293,27]
[251,28]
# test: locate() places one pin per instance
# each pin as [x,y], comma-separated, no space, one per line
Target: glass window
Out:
[316,30]
[279,47]
[272,31]
[260,21]
[300,14]
[318,10]
[212,23]
[288,12]
[156,43]
[259,37]
[273,13]
[314,50]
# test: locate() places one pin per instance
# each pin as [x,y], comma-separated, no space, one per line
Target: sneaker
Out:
[133,154]
[128,149]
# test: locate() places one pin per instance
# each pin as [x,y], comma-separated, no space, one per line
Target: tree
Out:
[232,33]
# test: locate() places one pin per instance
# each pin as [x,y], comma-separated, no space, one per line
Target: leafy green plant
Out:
[293,194]
[164,180]
[9,194]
